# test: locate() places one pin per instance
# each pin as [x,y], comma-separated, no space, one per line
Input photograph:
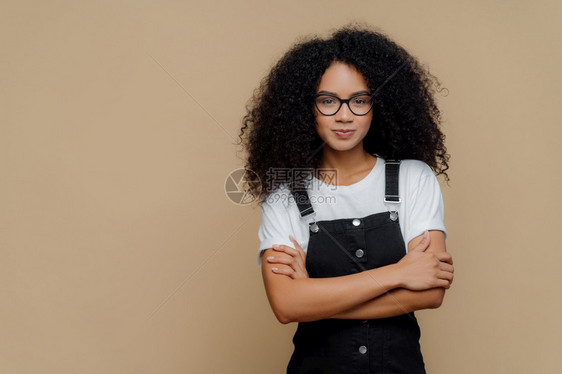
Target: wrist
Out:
[395,274]
[387,277]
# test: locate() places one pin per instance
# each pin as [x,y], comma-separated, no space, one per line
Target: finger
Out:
[443,283]
[444,257]
[285,248]
[446,267]
[283,271]
[292,238]
[298,248]
[280,260]
[294,241]
[452,277]
[424,243]
[446,275]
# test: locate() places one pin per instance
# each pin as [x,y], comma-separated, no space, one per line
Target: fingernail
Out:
[274,269]
[275,246]
[270,258]
[292,238]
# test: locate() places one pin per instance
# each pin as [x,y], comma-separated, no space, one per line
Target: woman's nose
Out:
[344,114]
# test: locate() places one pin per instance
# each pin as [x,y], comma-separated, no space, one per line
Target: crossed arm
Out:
[417,281]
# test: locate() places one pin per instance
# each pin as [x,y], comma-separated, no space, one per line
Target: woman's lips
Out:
[343,133]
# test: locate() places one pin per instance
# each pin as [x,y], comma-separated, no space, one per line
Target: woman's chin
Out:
[342,145]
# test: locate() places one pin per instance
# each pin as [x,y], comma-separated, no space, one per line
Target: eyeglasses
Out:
[329,105]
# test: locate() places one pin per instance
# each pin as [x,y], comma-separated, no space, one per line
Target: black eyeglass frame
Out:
[344,101]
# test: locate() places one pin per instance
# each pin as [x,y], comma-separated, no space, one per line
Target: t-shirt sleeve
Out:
[425,209]
[275,225]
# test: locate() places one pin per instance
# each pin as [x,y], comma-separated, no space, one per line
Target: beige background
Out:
[119,251]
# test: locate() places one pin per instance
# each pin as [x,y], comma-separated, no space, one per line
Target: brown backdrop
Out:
[119,250]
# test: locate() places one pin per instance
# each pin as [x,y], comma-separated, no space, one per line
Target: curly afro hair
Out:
[279,130]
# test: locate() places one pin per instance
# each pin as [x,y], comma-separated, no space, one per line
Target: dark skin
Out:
[281,127]
[417,281]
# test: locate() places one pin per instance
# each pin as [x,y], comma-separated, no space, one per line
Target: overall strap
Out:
[305,208]
[391,173]
[303,202]
[391,194]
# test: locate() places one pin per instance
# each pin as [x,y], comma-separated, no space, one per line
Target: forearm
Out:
[361,295]
[393,303]
[310,299]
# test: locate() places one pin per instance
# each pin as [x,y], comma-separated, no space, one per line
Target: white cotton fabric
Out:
[421,207]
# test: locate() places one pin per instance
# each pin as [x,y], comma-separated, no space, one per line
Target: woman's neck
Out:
[351,166]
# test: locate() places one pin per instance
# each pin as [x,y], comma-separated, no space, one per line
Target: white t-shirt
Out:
[421,207]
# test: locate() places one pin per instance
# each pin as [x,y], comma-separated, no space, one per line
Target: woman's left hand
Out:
[296,261]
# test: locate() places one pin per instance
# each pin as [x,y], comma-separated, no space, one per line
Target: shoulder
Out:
[412,168]
[418,179]
[279,198]
[415,168]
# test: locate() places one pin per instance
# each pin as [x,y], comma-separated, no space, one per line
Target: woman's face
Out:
[343,131]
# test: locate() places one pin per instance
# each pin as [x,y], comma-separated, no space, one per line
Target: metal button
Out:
[314,227]
[356,222]
[362,349]
[359,253]
[393,216]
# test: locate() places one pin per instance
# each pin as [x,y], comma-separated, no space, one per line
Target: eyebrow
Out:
[352,94]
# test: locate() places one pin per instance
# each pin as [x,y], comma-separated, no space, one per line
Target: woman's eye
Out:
[328,101]
[361,100]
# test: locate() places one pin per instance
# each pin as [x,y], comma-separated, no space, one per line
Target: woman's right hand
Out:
[296,261]
[420,270]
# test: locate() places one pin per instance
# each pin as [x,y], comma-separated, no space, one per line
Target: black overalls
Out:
[346,246]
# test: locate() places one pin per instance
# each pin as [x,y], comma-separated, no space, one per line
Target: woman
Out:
[352,240]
